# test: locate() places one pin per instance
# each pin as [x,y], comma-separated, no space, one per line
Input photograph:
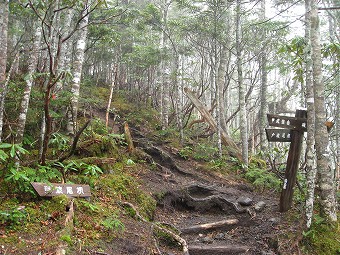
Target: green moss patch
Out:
[322,238]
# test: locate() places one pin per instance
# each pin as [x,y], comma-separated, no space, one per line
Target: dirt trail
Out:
[215,214]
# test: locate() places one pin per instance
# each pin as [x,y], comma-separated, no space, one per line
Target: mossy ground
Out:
[322,238]
[98,219]
[29,224]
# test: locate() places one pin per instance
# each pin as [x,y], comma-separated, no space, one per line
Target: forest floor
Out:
[216,213]
[213,212]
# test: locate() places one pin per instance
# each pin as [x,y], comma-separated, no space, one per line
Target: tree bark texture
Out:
[3,57]
[325,174]
[32,64]
[310,145]
[77,70]
[264,85]
[241,87]
[64,64]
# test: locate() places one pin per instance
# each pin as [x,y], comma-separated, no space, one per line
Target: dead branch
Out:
[75,141]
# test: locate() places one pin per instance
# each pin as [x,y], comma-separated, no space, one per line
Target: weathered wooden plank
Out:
[55,189]
[275,120]
[278,135]
[209,226]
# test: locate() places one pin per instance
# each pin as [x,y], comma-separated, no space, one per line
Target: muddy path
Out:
[215,214]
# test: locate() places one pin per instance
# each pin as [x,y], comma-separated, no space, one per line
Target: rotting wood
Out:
[68,227]
[179,239]
[217,250]
[128,137]
[212,123]
[209,226]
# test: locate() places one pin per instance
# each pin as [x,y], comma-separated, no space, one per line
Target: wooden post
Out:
[292,164]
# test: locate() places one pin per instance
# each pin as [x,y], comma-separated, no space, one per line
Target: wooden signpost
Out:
[55,189]
[294,127]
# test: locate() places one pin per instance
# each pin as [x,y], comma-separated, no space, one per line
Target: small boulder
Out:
[259,206]
[245,201]
[274,220]
[207,239]
[220,236]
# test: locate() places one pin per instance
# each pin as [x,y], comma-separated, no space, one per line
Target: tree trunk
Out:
[64,64]
[77,71]
[110,98]
[325,174]
[178,93]
[3,57]
[310,151]
[220,89]
[241,87]
[32,64]
[165,72]
[337,131]
[263,91]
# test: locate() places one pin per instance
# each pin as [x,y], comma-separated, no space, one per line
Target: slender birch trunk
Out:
[310,150]
[264,86]
[337,132]
[178,94]
[241,87]
[32,64]
[165,86]
[110,98]
[3,57]
[325,174]
[64,64]
[220,89]
[77,71]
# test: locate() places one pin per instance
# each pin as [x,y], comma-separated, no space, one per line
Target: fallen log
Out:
[217,250]
[209,226]
[212,123]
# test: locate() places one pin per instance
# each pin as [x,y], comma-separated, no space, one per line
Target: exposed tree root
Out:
[201,198]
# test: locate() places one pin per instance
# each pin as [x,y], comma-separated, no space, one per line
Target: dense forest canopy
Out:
[239,59]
